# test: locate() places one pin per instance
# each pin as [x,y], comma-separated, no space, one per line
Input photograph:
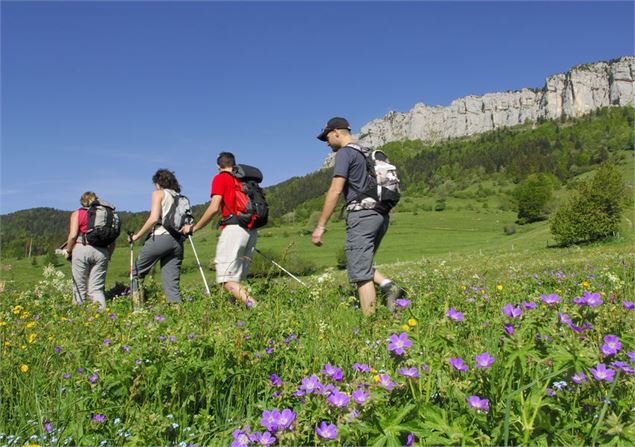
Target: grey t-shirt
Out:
[351,164]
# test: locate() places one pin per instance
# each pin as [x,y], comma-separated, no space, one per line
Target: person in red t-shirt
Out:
[236,244]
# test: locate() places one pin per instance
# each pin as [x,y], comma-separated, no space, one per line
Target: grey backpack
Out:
[179,214]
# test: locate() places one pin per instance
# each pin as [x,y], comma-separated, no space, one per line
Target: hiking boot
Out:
[392,293]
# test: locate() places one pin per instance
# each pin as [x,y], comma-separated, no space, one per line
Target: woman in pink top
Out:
[89,264]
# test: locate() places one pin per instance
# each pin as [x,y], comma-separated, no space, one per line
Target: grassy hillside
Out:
[466,227]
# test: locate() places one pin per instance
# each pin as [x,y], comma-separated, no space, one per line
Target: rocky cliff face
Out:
[577,92]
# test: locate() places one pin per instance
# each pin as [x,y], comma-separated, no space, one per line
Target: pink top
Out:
[82,219]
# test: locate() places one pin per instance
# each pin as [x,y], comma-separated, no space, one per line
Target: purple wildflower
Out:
[241,438]
[528,305]
[351,416]
[58,349]
[326,431]
[578,378]
[125,348]
[159,318]
[310,384]
[509,328]
[411,373]
[48,426]
[106,342]
[550,299]
[564,318]
[397,343]
[611,345]
[269,350]
[334,373]
[338,399]
[386,382]
[99,418]
[550,392]
[360,396]
[454,314]
[112,316]
[457,363]
[265,438]
[628,305]
[94,378]
[478,403]
[593,299]
[361,367]
[67,375]
[286,418]
[410,440]
[269,419]
[425,367]
[511,311]
[402,303]
[192,336]
[483,360]
[601,372]
[631,356]
[275,380]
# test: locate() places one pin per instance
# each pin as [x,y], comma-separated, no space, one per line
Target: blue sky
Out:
[98,95]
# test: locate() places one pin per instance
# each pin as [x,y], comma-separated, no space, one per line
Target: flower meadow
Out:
[496,351]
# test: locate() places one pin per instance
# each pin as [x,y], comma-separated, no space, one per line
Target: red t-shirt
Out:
[225,185]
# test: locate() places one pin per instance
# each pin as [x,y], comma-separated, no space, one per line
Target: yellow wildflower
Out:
[24,368]
[405,327]
[499,287]
[412,322]
[32,337]
[63,319]
[7,344]
[25,315]
[17,309]
[585,284]
[3,323]
[30,324]
[376,378]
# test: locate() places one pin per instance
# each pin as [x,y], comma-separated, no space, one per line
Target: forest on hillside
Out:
[563,148]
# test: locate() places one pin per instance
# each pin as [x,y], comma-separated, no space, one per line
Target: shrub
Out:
[532,196]
[509,229]
[594,210]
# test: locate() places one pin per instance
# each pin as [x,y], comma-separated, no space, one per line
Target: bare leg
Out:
[367,297]
[239,293]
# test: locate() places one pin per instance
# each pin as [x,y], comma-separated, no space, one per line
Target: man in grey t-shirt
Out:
[365,228]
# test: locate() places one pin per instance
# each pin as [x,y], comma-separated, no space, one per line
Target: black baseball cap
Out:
[334,123]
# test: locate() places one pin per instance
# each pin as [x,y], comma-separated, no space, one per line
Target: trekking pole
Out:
[136,297]
[279,266]
[189,236]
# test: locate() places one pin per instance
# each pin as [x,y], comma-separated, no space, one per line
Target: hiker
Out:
[89,263]
[160,244]
[365,228]
[237,242]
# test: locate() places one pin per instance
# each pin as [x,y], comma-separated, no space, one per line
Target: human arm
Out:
[73,232]
[213,209]
[330,203]
[153,218]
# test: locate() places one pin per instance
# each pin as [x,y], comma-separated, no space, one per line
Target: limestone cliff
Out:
[579,91]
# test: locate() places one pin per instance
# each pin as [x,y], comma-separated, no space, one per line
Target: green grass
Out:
[411,237]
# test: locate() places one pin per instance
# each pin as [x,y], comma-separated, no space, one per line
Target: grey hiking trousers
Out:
[88,269]
[169,252]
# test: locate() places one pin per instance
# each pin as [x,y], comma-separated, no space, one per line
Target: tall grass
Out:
[201,372]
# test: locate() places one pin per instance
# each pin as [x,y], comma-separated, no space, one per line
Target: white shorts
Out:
[234,252]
